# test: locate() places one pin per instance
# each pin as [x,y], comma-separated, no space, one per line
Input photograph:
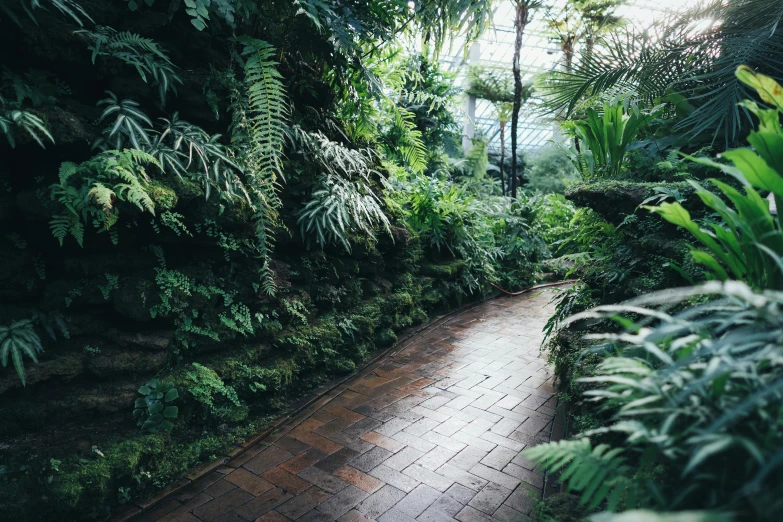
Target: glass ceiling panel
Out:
[539,53]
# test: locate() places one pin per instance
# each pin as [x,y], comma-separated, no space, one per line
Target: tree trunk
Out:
[568,52]
[589,46]
[502,155]
[520,23]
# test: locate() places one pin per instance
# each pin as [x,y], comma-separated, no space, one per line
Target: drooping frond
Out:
[341,207]
[142,53]
[25,121]
[268,105]
[17,340]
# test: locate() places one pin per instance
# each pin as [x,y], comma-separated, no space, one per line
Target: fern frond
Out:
[142,53]
[599,474]
[17,340]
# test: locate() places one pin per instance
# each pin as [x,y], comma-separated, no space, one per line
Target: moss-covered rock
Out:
[614,200]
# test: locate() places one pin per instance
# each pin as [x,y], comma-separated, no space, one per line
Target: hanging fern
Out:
[410,145]
[142,53]
[258,131]
[16,340]
[267,103]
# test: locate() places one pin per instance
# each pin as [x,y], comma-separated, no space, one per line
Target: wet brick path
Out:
[432,433]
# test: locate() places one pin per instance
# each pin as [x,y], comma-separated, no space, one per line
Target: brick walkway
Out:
[432,433]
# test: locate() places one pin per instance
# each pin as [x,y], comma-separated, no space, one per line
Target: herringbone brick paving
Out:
[432,433]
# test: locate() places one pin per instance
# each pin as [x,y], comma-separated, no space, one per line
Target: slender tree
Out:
[496,85]
[503,110]
[523,8]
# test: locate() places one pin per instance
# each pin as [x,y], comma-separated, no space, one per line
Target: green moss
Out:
[445,270]
[562,507]
[165,197]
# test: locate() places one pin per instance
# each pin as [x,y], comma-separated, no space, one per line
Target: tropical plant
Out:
[179,146]
[154,411]
[749,239]
[695,393]
[16,340]
[341,207]
[607,136]
[25,121]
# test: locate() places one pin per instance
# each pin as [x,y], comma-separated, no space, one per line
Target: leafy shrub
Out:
[340,207]
[549,170]
[154,411]
[219,400]
[697,393]
[88,192]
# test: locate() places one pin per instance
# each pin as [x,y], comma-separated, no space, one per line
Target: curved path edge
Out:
[352,423]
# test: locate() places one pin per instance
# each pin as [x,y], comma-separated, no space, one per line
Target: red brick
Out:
[286,481]
[344,413]
[302,461]
[322,444]
[249,482]
[359,479]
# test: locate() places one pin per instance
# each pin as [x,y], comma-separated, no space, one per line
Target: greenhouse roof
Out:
[540,53]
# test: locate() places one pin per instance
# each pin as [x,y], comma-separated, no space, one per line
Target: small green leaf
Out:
[170,412]
[171,395]
[155,408]
[144,390]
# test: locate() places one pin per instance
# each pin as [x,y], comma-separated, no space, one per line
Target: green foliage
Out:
[749,239]
[25,121]
[267,105]
[16,340]
[178,146]
[219,400]
[672,61]
[89,192]
[154,410]
[599,474]
[494,84]
[340,208]
[697,392]
[607,136]
[142,53]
